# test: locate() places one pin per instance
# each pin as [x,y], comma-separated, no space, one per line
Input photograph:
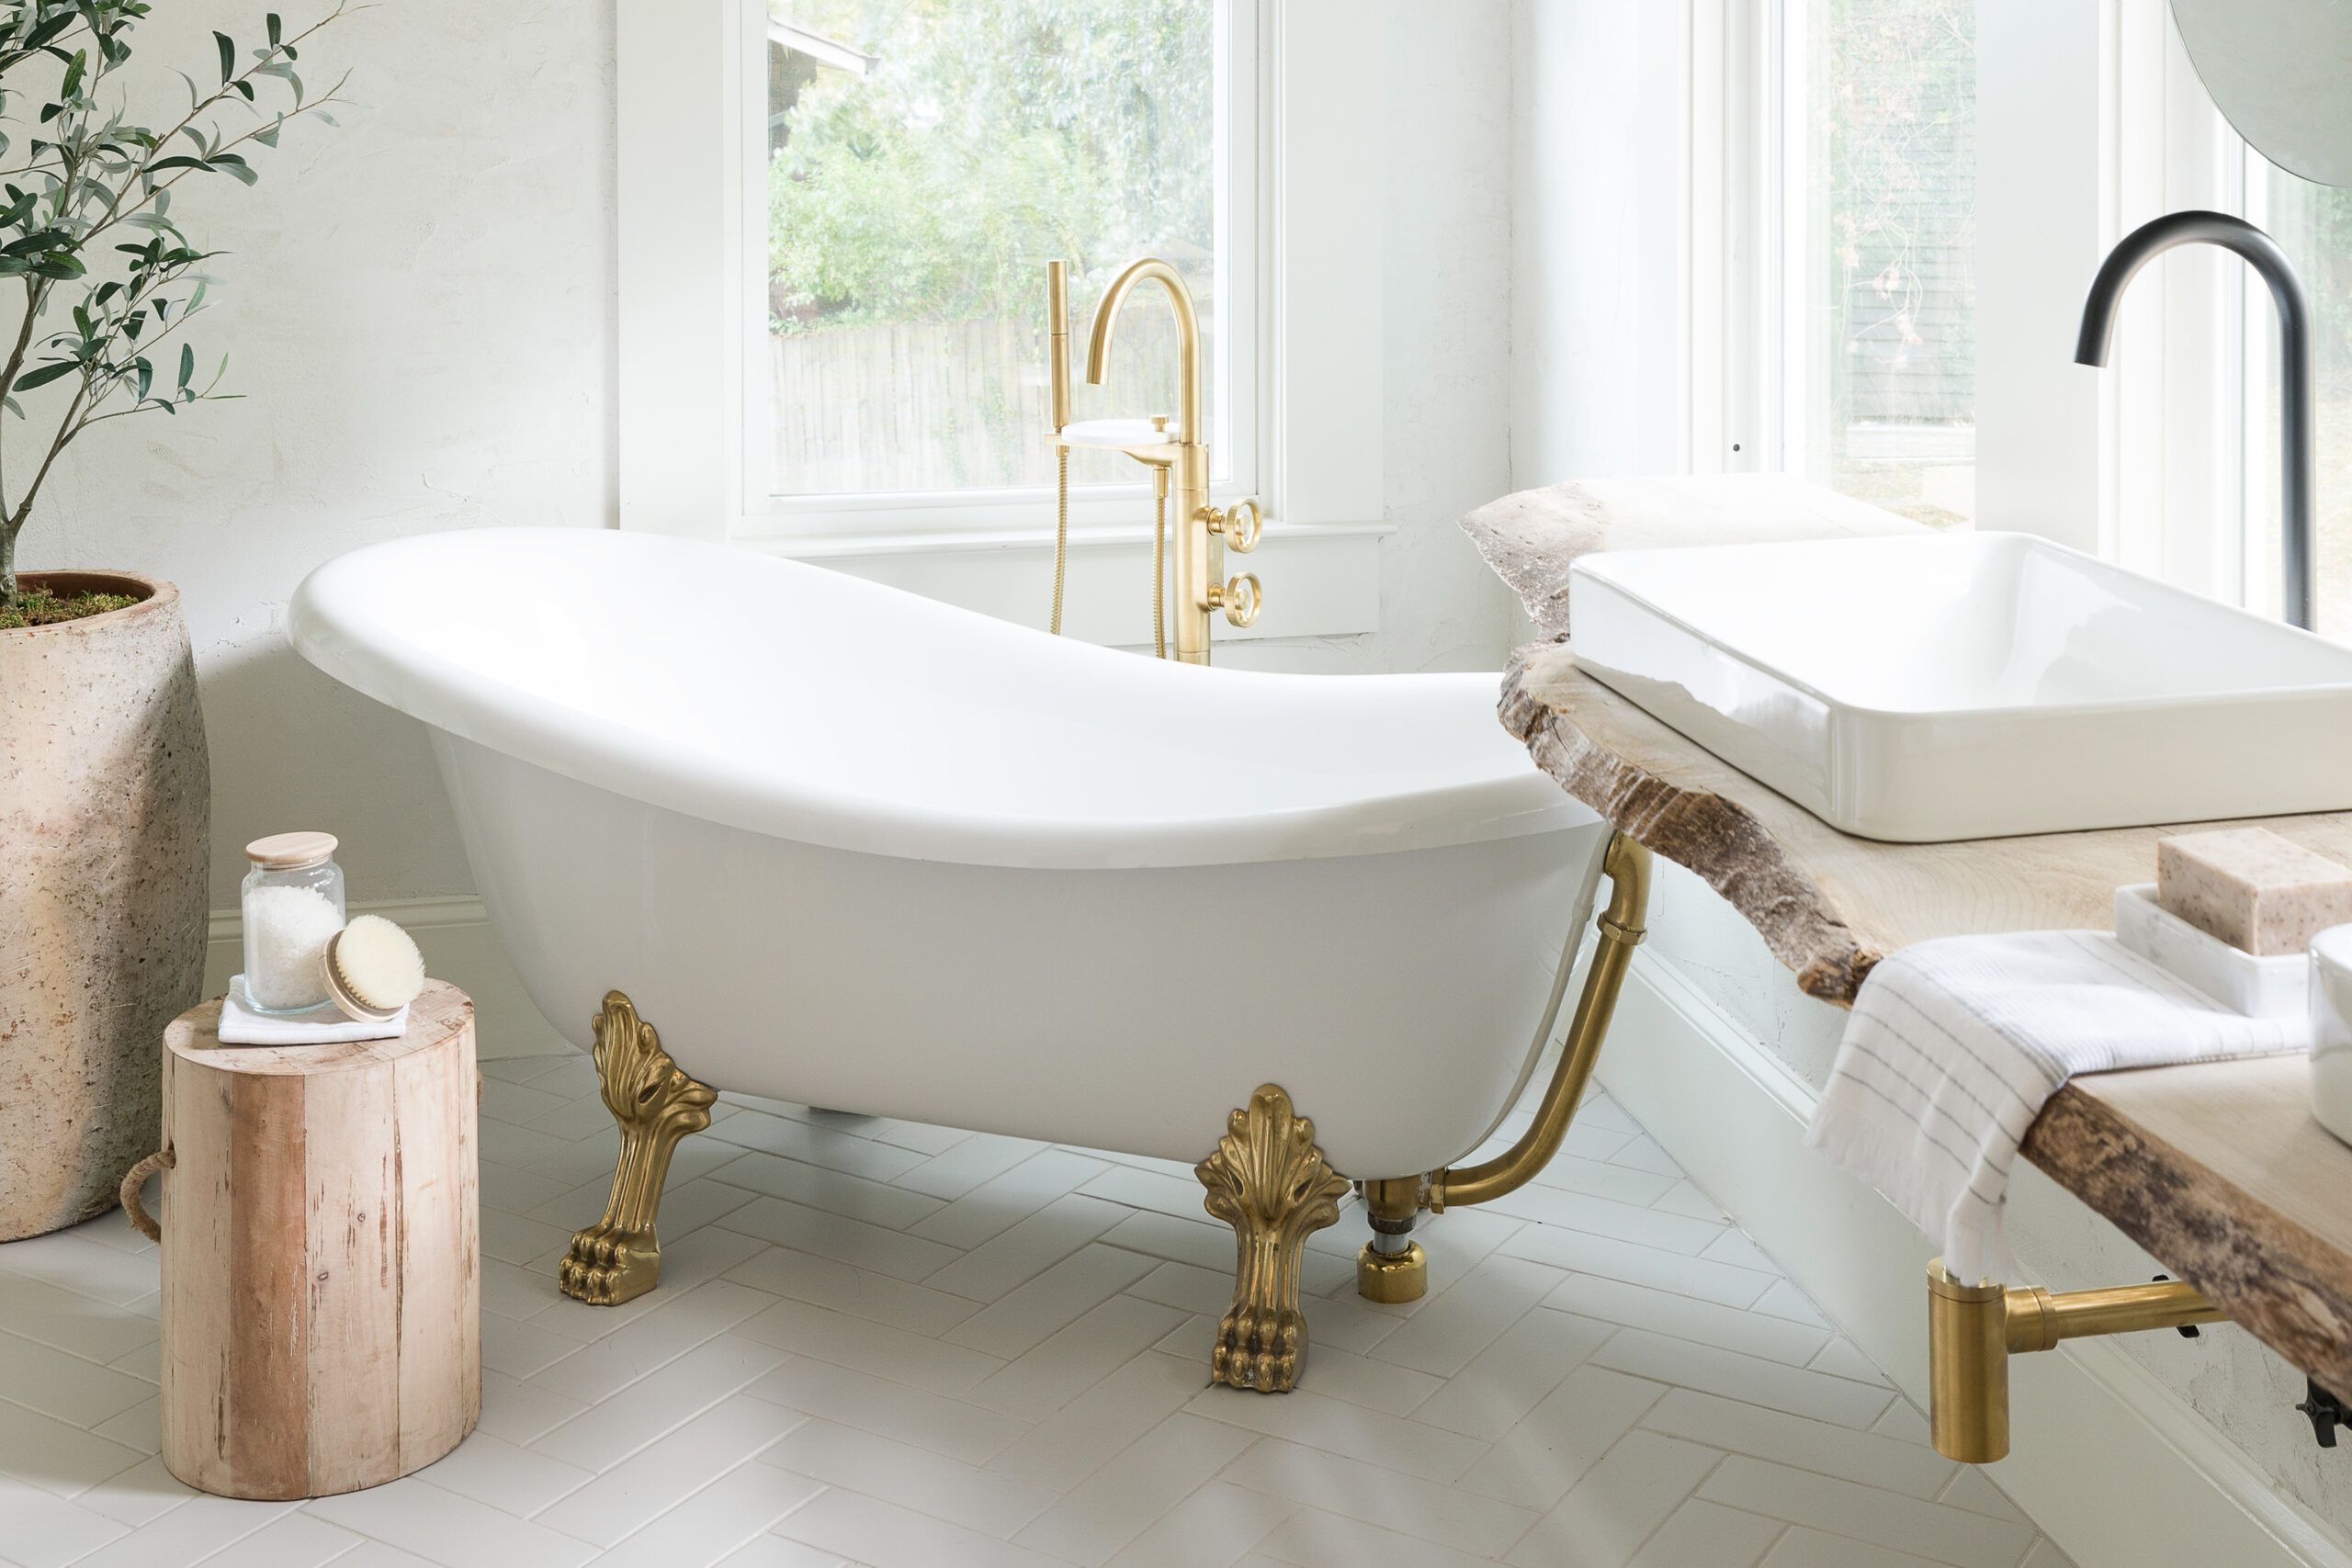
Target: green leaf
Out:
[42,375]
[187,364]
[271,22]
[48,30]
[146,375]
[73,73]
[228,57]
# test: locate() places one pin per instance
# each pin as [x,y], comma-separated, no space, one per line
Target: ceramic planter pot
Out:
[105,802]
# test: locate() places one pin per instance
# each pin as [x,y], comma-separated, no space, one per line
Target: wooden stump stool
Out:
[322,1273]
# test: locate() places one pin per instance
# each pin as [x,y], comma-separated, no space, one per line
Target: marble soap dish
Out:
[2275,986]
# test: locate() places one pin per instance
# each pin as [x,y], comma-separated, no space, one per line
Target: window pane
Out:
[1887,234]
[927,158]
[2313,224]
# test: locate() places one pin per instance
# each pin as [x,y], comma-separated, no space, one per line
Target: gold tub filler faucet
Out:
[1202,531]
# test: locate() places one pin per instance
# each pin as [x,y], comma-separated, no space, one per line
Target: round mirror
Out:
[2279,69]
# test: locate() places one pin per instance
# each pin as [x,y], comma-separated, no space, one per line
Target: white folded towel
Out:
[322,1025]
[1954,1045]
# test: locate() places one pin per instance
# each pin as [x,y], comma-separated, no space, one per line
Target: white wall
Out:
[2040,231]
[1447,329]
[1597,224]
[418,309]
[1596,381]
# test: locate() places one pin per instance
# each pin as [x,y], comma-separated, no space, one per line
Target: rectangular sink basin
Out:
[1928,687]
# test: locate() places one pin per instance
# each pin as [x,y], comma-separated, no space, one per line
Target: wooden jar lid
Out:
[290,852]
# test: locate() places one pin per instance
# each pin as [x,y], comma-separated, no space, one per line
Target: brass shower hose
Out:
[1159,550]
[1062,530]
[1159,558]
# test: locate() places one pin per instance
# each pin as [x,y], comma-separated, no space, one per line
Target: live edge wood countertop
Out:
[2217,1169]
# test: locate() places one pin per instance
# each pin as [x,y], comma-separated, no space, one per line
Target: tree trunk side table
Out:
[320,1240]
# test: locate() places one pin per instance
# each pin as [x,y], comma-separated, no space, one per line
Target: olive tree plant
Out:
[108,281]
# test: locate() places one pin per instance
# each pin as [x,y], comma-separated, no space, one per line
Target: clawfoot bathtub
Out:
[852,847]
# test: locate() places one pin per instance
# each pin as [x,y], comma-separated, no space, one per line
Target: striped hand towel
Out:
[1954,1045]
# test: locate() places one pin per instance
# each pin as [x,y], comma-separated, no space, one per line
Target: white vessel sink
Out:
[1962,685]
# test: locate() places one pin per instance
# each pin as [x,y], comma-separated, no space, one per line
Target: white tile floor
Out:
[908,1346]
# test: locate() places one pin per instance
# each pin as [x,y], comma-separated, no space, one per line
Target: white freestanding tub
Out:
[849,847]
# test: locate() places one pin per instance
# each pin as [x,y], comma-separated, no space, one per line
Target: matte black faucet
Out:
[2261,253]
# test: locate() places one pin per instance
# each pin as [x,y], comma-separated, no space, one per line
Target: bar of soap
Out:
[2250,888]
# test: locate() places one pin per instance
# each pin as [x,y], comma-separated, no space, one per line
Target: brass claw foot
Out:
[606,1267]
[1259,1347]
[1269,1181]
[656,1104]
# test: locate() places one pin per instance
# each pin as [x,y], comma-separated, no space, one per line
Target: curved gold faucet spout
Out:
[1188,328]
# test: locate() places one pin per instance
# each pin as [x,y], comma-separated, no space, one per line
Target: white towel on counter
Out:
[1954,1045]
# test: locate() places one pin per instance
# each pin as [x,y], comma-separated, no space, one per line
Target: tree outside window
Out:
[927,157]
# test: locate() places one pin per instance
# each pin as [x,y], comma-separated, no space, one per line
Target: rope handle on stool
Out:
[141,1219]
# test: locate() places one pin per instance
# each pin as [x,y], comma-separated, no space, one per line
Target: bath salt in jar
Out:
[292,904]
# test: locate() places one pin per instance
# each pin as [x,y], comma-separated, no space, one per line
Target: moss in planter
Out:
[39,607]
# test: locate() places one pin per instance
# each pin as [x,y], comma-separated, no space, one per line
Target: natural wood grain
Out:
[2219,1170]
[1829,904]
[322,1278]
[1532,537]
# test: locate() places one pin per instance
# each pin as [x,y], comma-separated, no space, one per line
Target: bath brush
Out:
[373,969]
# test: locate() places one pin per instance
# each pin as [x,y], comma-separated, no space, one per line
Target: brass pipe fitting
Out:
[1968,1369]
[1387,1270]
[1627,865]
[1973,1330]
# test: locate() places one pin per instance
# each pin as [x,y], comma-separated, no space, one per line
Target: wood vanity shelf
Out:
[2217,1169]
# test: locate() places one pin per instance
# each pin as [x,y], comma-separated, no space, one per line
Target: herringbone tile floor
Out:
[908,1346]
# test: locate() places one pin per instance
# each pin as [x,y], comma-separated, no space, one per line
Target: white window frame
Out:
[2090,121]
[688,270]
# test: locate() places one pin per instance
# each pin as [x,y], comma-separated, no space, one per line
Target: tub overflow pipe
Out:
[1627,866]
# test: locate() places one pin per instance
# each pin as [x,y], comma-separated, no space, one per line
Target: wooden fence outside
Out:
[940,405]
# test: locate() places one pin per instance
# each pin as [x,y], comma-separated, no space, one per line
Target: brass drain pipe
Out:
[1627,865]
[1973,1330]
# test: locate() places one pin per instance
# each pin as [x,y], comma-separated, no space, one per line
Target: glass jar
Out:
[293,903]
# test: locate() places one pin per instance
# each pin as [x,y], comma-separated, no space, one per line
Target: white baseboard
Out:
[459,947]
[2111,1464]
